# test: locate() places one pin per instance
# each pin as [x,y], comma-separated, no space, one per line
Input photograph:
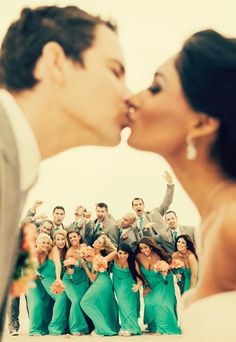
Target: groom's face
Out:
[94,93]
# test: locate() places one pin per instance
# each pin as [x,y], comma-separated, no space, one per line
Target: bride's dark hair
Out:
[207,68]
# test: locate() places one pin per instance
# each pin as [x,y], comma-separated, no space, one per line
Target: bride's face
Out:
[161,115]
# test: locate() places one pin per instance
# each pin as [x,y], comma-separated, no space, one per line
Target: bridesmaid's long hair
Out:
[131,259]
[189,244]
[154,247]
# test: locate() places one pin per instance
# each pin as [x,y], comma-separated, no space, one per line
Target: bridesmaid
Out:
[38,301]
[159,294]
[76,284]
[127,283]
[52,271]
[185,251]
[99,301]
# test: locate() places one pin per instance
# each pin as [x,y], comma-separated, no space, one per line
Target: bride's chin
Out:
[139,144]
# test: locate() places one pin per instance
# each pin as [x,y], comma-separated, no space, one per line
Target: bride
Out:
[189,112]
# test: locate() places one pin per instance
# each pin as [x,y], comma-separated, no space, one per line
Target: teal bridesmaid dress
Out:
[58,324]
[186,279]
[160,303]
[100,305]
[39,307]
[128,301]
[184,282]
[76,286]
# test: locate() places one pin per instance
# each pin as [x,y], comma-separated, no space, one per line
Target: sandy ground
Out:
[23,334]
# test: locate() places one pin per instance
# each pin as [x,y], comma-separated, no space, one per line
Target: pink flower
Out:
[82,250]
[21,285]
[57,287]
[70,262]
[89,253]
[161,266]
[99,264]
[176,263]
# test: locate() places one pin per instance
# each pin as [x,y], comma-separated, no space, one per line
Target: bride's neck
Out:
[199,180]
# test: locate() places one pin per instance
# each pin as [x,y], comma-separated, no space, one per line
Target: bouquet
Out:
[26,264]
[177,267]
[99,264]
[82,250]
[89,253]
[70,263]
[57,287]
[162,267]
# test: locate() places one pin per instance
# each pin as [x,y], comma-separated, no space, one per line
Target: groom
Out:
[62,71]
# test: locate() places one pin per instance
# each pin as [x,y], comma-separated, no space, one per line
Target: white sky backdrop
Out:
[149,31]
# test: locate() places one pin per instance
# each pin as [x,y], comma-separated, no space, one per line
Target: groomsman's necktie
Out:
[140,228]
[174,234]
[119,234]
[96,228]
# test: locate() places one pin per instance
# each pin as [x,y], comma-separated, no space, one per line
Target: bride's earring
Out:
[191,151]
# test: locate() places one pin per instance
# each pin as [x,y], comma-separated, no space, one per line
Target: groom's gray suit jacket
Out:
[11,204]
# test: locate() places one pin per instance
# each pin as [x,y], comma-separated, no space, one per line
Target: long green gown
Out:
[39,307]
[58,324]
[160,303]
[128,301]
[76,286]
[100,305]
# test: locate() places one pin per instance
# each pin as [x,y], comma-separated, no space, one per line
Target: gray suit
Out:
[165,238]
[85,231]
[109,228]
[129,237]
[11,205]
[156,215]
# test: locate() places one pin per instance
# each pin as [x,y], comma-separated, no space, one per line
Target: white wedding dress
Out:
[210,319]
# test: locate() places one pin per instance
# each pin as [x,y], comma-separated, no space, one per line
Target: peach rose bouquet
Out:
[162,267]
[57,287]
[100,264]
[70,264]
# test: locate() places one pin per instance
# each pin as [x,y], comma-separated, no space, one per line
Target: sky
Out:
[150,31]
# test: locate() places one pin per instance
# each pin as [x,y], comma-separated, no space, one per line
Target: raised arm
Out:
[111,256]
[168,195]
[32,211]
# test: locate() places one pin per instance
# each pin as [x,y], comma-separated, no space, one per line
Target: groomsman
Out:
[82,223]
[103,224]
[150,223]
[58,217]
[126,232]
[167,236]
